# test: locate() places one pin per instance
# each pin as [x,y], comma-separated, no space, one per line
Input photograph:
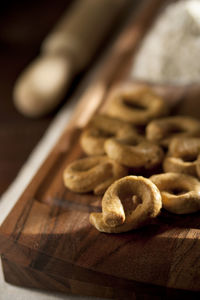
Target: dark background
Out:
[23,26]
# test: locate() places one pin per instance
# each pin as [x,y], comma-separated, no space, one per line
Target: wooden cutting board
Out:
[47,241]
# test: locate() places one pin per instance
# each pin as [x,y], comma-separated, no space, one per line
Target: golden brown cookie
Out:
[129,203]
[180,193]
[95,173]
[134,152]
[182,155]
[185,147]
[179,165]
[198,166]
[100,129]
[163,130]
[137,105]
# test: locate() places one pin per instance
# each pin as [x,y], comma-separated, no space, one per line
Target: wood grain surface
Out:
[47,241]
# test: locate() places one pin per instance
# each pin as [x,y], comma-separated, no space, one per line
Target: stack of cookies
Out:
[140,158]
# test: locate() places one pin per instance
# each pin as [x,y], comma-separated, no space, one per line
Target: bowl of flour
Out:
[169,55]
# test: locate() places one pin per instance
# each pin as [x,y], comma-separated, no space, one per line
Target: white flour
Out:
[171,50]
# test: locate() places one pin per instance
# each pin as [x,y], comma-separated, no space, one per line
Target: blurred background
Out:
[23,26]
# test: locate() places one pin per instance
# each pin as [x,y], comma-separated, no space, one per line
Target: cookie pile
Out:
[136,137]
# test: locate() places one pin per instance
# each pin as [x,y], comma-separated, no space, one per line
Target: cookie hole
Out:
[131,142]
[102,133]
[133,105]
[189,158]
[129,201]
[178,192]
[175,129]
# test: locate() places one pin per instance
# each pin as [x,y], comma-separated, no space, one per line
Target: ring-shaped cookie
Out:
[180,192]
[198,166]
[164,129]
[178,165]
[185,147]
[129,203]
[135,152]
[100,129]
[95,173]
[182,156]
[137,105]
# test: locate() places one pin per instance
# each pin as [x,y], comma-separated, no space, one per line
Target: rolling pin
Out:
[66,51]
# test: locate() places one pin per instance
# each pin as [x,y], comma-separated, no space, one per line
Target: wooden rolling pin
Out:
[65,52]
